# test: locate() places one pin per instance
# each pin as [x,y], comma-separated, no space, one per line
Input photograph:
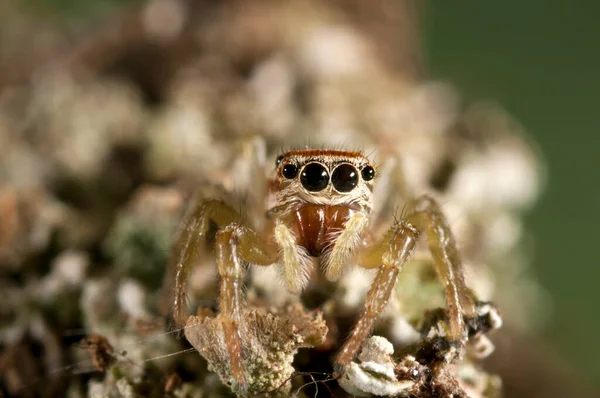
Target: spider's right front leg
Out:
[236,245]
[190,243]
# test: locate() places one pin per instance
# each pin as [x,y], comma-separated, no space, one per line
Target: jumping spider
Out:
[320,203]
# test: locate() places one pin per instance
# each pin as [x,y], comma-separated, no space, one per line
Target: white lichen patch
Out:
[375,372]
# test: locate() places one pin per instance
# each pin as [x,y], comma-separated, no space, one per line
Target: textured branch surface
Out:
[269,342]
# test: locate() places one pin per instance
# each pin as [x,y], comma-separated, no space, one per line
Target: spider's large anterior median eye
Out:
[314,177]
[368,173]
[289,171]
[344,178]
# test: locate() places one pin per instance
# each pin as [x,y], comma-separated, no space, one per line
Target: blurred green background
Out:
[540,60]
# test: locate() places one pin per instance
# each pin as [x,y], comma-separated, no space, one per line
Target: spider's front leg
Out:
[391,252]
[236,245]
[189,244]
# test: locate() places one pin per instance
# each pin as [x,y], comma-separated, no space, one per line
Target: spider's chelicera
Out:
[320,203]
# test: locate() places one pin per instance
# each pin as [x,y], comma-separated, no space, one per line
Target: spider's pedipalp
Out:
[345,243]
[295,260]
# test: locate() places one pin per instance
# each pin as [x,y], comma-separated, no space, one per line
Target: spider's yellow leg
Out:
[189,243]
[426,216]
[389,254]
[235,246]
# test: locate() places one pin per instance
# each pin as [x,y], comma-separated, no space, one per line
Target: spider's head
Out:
[327,177]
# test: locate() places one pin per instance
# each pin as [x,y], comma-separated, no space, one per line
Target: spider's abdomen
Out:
[317,226]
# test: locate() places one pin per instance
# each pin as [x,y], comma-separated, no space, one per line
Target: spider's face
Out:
[324,177]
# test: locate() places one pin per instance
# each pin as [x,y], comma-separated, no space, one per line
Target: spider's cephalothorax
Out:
[319,204]
[321,199]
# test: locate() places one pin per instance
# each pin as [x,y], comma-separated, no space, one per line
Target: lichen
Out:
[269,342]
[427,368]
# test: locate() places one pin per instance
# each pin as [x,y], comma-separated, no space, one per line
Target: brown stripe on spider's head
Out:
[299,157]
[324,153]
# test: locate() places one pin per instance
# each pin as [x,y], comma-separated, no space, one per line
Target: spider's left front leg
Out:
[391,252]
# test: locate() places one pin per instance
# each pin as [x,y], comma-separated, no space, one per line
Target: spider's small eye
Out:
[368,173]
[314,177]
[344,178]
[289,171]
[278,160]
